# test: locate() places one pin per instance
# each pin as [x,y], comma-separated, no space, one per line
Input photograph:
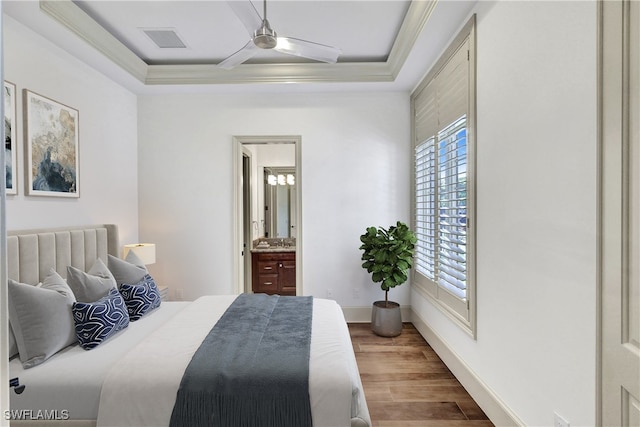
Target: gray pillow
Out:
[130,270]
[13,345]
[93,285]
[41,318]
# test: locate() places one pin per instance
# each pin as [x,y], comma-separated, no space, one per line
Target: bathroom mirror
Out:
[280,202]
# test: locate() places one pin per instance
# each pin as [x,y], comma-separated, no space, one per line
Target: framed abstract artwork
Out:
[52,131]
[10,137]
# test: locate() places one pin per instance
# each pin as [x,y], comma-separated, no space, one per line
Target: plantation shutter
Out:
[426,110]
[453,88]
[425,221]
[453,104]
[441,193]
[445,98]
[452,205]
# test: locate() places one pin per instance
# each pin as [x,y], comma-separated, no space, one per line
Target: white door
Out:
[620,215]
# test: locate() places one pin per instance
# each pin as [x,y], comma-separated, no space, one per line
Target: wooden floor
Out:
[407,385]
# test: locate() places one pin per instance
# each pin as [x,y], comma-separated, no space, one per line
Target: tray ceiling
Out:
[375,36]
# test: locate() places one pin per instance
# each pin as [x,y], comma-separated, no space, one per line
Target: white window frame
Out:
[461,310]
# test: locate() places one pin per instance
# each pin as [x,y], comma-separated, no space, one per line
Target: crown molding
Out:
[268,73]
[414,22]
[75,19]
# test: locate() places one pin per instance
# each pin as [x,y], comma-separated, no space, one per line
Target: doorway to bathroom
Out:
[267,209]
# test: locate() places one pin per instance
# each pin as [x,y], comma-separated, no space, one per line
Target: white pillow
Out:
[41,318]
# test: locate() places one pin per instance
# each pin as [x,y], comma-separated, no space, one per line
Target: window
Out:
[443,122]
[441,208]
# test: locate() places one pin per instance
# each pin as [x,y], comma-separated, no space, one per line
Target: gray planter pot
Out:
[386,321]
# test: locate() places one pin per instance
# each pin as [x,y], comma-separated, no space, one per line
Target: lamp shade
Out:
[145,251]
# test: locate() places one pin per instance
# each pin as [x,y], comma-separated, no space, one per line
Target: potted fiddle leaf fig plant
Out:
[388,256]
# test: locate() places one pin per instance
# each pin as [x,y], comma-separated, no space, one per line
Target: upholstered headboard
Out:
[32,253]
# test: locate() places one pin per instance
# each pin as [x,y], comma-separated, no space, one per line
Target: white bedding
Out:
[335,390]
[132,379]
[72,379]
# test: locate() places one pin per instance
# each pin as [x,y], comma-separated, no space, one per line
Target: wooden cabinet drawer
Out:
[268,267]
[276,256]
[267,283]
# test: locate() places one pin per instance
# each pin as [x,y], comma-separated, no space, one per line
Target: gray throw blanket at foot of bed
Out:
[253,367]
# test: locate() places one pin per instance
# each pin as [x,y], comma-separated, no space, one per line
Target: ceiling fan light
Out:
[264,37]
[265,41]
[283,43]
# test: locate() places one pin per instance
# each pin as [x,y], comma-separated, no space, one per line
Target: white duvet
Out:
[72,379]
[140,389]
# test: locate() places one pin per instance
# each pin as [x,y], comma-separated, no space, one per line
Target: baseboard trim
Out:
[491,404]
[363,314]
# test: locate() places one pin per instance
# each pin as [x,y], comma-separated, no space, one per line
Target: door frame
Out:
[247,189]
[617,362]
[4,308]
[238,142]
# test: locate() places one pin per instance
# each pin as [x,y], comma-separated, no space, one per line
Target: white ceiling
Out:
[364,31]
[386,45]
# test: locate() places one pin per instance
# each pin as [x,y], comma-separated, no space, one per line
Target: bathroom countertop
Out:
[275,249]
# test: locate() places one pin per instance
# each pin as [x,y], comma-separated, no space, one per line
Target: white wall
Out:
[355,157]
[536,212]
[107,140]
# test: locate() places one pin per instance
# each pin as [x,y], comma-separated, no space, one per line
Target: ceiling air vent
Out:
[165,38]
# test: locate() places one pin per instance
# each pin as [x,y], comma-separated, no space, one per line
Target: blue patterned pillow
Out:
[141,297]
[97,321]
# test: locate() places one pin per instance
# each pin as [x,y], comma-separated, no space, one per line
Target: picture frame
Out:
[52,141]
[10,139]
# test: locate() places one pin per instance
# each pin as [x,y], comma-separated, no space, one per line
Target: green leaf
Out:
[403,265]
[388,253]
[380,256]
[399,278]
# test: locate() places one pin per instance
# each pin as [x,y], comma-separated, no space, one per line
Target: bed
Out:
[132,378]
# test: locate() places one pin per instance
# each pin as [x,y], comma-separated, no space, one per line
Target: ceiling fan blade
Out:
[249,50]
[307,49]
[247,13]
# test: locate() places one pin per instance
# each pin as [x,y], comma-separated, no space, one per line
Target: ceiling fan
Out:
[263,37]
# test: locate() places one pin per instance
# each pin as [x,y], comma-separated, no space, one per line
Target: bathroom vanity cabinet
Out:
[274,272]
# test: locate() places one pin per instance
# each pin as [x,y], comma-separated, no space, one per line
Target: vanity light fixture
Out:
[289,179]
